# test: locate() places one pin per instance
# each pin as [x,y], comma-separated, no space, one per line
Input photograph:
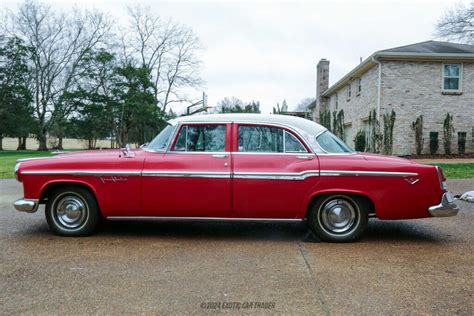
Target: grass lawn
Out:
[457,170]
[8,159]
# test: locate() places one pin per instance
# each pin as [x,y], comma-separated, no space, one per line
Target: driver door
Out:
[193,179]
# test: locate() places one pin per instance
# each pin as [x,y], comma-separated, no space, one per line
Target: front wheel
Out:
[338,218]
[72,211]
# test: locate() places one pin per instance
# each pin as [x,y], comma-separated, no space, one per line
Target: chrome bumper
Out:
[446,208]
[29,206]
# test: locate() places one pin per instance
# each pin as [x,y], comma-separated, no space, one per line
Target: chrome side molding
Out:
[203,219]
[367,173]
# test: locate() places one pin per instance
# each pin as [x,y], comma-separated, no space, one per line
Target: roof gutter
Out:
[348,76]
[379,85]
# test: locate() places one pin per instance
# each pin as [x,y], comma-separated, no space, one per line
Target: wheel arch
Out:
[48,188]
[362,197]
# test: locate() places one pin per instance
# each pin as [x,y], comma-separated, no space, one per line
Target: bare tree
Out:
[303,104]
[227,104]
[168,49]
[59,43]
[457,24]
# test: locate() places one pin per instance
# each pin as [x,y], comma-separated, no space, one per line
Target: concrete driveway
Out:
[400,267]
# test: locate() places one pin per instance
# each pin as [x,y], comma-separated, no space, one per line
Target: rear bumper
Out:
[26,205]
[446,208]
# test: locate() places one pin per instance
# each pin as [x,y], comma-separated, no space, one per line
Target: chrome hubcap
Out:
[338,216]
[71,211]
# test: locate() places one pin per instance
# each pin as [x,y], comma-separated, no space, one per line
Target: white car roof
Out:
[308,127]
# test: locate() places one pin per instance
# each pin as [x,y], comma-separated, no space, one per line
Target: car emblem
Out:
[411,180]
[113,179]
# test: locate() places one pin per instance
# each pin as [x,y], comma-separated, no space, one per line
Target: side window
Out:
[260,139]
[293,145]
[267,139]
[197,138]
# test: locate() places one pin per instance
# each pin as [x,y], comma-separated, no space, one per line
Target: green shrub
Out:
[325,119]
[434,144]
[417,127]
[388,124]
[462,142]
[359,141]
[448,131]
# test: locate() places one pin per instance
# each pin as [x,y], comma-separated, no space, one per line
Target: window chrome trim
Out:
[186,124]
[280,125]
[188,218]
[266,123]
[367,173]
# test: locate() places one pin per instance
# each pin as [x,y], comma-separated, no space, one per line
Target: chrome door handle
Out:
[220,156]
[304,157]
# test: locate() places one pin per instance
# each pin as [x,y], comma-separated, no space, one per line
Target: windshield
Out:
[331,144]
[161,141]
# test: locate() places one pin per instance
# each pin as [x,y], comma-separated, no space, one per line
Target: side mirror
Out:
[144,145]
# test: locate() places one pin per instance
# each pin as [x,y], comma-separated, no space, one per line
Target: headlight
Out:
[17,166]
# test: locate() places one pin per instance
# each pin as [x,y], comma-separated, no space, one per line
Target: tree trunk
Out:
[19,144]
[60,142]
[42,140]
[1,142]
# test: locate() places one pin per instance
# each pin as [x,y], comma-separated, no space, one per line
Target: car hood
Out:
[84,155]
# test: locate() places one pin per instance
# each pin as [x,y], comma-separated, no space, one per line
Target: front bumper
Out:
[25,205]
[446,208]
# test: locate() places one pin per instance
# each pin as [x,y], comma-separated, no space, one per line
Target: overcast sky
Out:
[268,50]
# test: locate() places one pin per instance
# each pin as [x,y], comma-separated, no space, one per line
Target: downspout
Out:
[379,86]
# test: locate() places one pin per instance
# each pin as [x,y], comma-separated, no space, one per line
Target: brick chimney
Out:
[322,84]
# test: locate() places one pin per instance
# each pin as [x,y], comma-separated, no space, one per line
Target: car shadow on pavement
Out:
[412,231]
[206,230]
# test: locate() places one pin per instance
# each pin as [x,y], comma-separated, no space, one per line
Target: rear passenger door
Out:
[272,171]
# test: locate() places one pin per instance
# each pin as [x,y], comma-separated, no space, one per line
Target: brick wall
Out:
[411,89]
[414,88]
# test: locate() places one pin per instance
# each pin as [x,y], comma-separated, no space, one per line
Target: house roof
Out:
[433,47]
[423,51]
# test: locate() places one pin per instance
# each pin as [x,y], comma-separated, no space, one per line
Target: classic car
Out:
[234,167]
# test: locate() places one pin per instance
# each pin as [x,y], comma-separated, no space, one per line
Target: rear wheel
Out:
[72,211]
[338,218]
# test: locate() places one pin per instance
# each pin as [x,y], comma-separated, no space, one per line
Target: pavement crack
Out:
[320,298]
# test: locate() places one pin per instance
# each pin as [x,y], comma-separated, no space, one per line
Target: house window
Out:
[336,100]
[452,77]
[349,92]
[359,85]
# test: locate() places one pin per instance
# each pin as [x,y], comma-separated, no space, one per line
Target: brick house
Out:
[428,78]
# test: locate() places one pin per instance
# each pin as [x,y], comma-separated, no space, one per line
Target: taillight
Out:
[17,166]
[442,178]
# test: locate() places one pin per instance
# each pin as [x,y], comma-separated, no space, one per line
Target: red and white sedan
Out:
[237,167]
